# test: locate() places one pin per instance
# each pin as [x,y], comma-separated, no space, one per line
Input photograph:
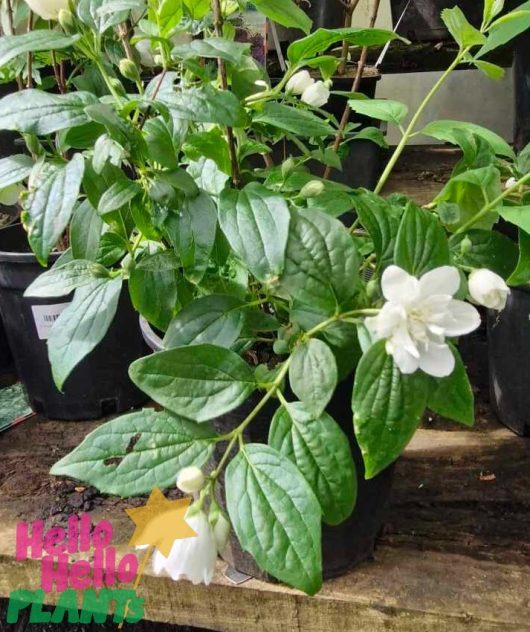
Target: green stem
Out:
[491,205]
[410,128]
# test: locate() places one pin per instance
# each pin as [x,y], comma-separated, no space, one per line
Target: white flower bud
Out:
[47,9]
[312,189]
[488,289]
[220,527]
[299,82]
[316,94]
[510,183]
[190,479]
[9,195]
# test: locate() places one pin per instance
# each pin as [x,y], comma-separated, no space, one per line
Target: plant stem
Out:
[218,26]
[29,58]
[11,23]
[491,205]
[349,9]
[355,87]
[413,122]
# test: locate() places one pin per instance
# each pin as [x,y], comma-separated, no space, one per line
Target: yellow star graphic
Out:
[160,522]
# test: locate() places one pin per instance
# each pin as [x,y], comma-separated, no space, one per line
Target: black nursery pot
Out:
[344,545]
[509,361]
[100,384]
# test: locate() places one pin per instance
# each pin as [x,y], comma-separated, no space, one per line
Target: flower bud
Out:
[66,20]
[190,479]
[372,289]
[220,526]
[129,70]
[47,9]
[466,245]
[511,182]
[316,94]
[312,189]
[488,289]
[287,166]
[299,82]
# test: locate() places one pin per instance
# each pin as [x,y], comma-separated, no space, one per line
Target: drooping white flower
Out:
[299,82]
[488,289]
[417,317]
[47,9]
[190,479]
[190,558]
[316,94]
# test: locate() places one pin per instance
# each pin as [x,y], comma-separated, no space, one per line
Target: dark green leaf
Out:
[118,195]
[86,227]
[82,326]
[452,396]
[61,280]
[292,119]
[322,453]
[213,47]
[199,382]
[32,42]
[205,105]
[211,144]
[130,455]
[276,516]
[521,274]
[387,407]
[489,249]
[313,374]
[421,243]
[256,223]
[285,12]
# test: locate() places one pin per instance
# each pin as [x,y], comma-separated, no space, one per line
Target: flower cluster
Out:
[314,93]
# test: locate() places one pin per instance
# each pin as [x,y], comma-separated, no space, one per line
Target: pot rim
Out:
[10,256]
[153,340]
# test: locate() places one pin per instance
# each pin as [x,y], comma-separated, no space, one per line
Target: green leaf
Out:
[213,47]
[61,280]
[381,220]
[192,232]
[49,205]
[489,249]
[40,113]
[387,407]
[134,453]
[505,28]
[448,132]
[321,261]
[205,105]
[452,396]
[35,41]
[93,14]
[313,375]
[491,9]
[276,516]
[521,274]
[321,451]
[518,215]
[492,71]
[421,243]
[211,144]
[107,150]
[322,39]
[293,120]
[462,31]
[380,109]
[199,382]
[160,145]
[86,227]
[153,287]
[14,169]
[216,319]
[118,195]
[285,12]
[256,223]
[112,247]
[82,326]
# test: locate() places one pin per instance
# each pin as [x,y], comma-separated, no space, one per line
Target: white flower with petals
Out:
[190,558]
[417,317]
[299,82]
[316,94]
[488,289]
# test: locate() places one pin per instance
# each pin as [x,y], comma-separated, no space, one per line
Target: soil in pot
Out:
[344,545]
[509,361]
[100,384]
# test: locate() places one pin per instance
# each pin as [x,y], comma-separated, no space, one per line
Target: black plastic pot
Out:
[521,77]
[343,546]
[100,384]
[326,14]
[509,361]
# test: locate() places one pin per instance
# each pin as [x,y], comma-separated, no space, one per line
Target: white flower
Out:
[299,82]
[316,94]
[190,479]
[510,183]
[418,315]
[47,9]
[190,558]
[488,289]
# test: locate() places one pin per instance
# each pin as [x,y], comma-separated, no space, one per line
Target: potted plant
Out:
[273,312]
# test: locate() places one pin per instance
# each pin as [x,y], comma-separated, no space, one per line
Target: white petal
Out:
[460,318]
[442,280]
[405,361]
[436,360]
[399,286]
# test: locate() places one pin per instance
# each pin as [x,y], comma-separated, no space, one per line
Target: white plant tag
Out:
[44,317]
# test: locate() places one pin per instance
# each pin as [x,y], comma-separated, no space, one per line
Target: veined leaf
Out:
[61,280]
[464,33]
[14,169]
[36,40]
[213,47]
[445,130]
[285,12]
[293,120]
[118,195]
[205,105]
[380,109]
[489,249]
[506,28]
